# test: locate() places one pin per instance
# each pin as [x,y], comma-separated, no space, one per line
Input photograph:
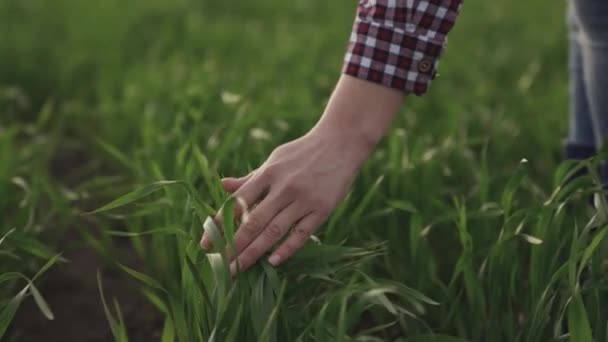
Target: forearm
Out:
[393,51]
[359,113]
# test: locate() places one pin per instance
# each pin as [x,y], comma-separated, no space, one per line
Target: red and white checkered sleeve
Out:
[398,43]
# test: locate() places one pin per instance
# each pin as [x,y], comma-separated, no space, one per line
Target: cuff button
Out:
[425,65]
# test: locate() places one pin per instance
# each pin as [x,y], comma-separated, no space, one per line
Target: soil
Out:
[71,288]
[72,293]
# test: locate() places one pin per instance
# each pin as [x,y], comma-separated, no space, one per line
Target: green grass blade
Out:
[109,317]
[341,326]
[11,276]
[435,338]
[175,230]
[271,322]
[364,203]
[146,279]
[228,220]
[6,235]
[121,327]
[591,248]
[578,322]
[42,304]
[117,154]
[135,195]
[7,314]
[168,334]
[236,325]
[199,283]
[272,276]
[49,264]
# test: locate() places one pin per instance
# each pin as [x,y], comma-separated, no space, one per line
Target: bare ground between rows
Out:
[72,293]
[71,288]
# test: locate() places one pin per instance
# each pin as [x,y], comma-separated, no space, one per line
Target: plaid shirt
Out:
[398,43]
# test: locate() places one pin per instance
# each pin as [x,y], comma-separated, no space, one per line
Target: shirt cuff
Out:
[402,58]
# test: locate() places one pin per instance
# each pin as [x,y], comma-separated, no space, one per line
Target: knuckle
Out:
[321,204]
[273,231]
[301,233]
[296,189]
[251,225]
[268,173]
[280,150]
[291,188]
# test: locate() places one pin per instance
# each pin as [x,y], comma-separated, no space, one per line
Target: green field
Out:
[446,232]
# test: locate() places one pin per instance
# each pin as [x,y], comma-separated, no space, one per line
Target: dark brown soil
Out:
[72,293]
[71,288]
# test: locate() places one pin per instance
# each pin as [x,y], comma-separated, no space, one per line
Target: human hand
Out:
[294,191]
[297,187]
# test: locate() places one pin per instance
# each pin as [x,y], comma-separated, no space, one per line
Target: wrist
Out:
[358,114]
[355,137]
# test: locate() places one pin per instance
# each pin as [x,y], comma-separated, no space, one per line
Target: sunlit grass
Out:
[446,231]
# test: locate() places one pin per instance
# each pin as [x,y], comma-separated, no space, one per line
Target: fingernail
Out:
[274,259]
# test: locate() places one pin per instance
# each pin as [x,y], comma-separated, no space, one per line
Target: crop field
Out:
[118,119]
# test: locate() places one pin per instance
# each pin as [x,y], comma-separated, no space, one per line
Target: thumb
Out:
[232,184]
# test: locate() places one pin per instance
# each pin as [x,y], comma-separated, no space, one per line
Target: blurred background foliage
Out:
[98,98]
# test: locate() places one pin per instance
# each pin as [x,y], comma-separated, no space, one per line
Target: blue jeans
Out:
[588,26]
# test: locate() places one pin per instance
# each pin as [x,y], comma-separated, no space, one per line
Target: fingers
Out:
[296,239]
[269,236]
[252,191]
[247,195]
[240,212]
[257,220]
[232,184]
